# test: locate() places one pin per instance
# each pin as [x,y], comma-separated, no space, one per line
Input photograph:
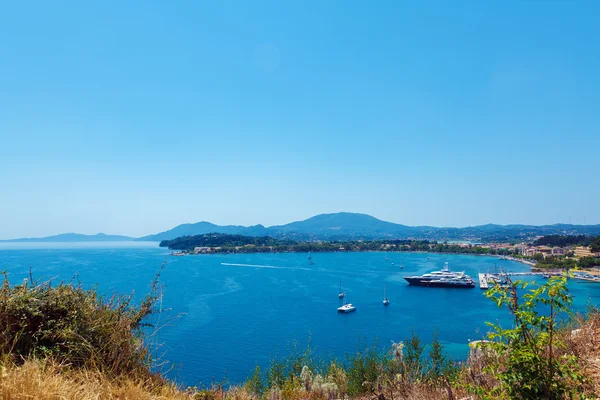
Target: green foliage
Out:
[440,367]
[595,245]
[74,326]
[556,262]
[588,262]
[364,368]
[564,240]
[225,243]
[413,364]
[221,240]
[276,373]
[254,384]
[529,365]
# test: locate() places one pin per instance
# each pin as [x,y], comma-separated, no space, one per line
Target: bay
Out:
[224,314]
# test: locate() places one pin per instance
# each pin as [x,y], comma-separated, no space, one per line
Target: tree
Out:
[255,384]
[588,262]
[595,246]
[538,257]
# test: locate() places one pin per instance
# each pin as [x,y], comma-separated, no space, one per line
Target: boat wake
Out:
[266,266]
[253,266]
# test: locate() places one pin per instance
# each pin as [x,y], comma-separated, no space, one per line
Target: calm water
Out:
[226,313]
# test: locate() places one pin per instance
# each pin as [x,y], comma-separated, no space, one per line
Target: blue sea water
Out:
[223,314]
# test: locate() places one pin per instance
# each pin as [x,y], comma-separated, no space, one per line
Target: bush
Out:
[364,368]
[74,326]
[531,362]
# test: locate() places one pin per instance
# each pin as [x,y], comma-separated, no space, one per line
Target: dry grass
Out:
[584,343]
[48,381]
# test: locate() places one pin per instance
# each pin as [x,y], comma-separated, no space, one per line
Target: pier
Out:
[486,279]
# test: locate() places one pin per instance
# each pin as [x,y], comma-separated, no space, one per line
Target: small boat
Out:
[341,294]
[387,259]
[392,263]
[402,267]
[386,301]
[546,276]
[311,262]
[346,308]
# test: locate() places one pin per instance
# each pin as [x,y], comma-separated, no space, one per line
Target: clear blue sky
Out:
[131,117]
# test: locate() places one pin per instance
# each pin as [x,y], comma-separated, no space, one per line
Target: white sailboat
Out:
[386,301]
[341,294]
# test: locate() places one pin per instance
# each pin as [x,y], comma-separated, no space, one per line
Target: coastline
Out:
[523,261]
[496,256]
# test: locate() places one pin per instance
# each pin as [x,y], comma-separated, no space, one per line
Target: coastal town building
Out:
[530,252]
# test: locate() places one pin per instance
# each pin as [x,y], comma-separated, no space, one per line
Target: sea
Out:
[221,315]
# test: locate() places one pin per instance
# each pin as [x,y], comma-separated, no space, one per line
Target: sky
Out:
[130,117]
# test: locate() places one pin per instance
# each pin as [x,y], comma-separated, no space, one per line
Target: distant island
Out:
[75,237]
[345,226]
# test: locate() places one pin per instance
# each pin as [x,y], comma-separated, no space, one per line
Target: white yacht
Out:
[346,308]
[443,278]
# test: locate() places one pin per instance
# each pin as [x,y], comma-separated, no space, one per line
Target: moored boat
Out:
[386,301]
[442,278]
[346,308]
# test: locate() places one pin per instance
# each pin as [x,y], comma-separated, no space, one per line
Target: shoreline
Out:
[496,256]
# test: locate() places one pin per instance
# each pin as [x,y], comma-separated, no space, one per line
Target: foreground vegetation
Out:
[65,342]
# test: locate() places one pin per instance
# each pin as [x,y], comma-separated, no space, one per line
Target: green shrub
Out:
[530,363]
[74,326]
[364,368]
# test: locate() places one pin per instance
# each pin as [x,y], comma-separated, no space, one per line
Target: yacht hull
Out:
[417,281]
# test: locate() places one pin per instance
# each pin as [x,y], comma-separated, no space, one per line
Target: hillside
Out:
[220,240]
[346,226]
[354,226]
[201,228]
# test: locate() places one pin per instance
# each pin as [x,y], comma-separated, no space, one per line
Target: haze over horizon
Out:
[131,118]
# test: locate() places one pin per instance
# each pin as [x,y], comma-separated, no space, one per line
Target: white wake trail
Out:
[269,267]
[253,266]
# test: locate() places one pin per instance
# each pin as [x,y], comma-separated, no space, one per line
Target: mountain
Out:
[75,237]
[353,226]
[203,227]
[348,226]
[343,225]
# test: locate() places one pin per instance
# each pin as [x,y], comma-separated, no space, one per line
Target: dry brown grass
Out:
[48,381]
[584,342]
